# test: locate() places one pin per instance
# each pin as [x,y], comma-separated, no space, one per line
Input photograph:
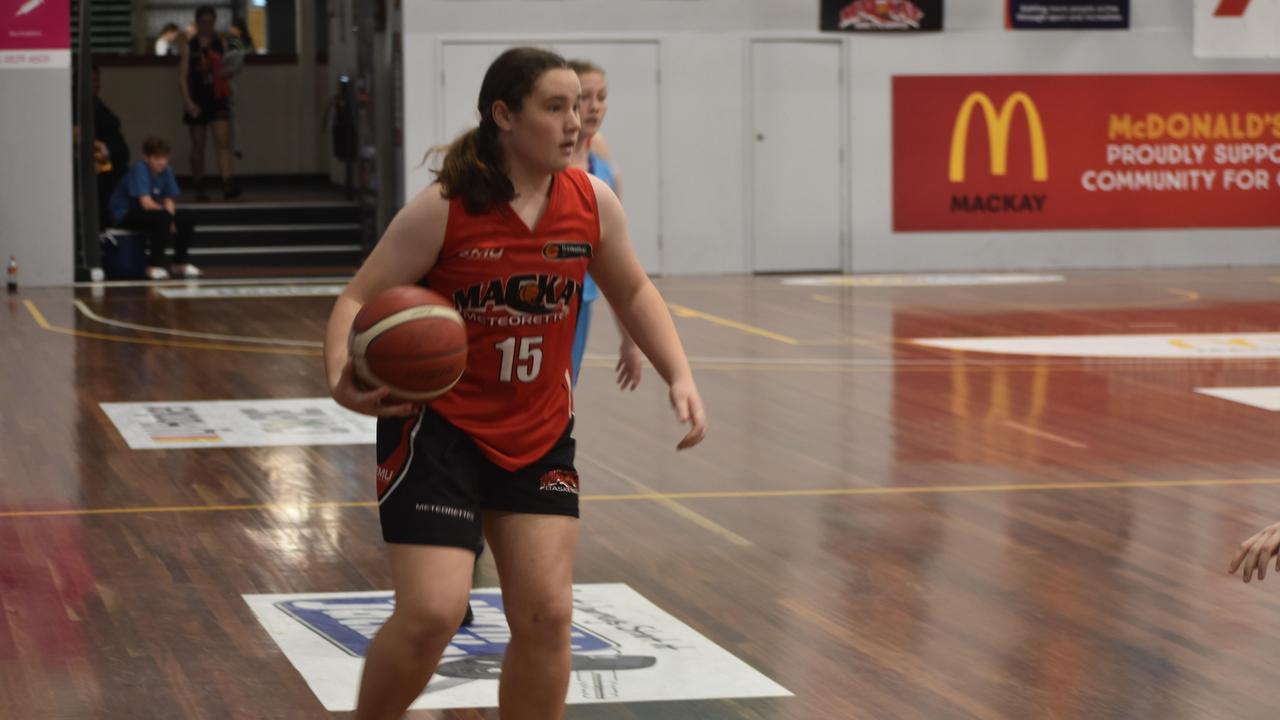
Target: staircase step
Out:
[279,222]
[281,256]
[298,234]
[260,213]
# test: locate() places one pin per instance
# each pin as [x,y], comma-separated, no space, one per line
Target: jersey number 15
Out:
[529,359]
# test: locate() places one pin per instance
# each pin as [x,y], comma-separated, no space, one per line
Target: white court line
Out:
[1045,435]
[251,293]
[84,310]
[246,282]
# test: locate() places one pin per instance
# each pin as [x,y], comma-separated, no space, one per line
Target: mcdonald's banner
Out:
[1058,152]
[1067,15]
[1237,28]
[880,15]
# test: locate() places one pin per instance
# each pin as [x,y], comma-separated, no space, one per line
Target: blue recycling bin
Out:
[124,255]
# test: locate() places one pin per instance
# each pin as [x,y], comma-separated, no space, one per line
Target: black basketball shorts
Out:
[433,482]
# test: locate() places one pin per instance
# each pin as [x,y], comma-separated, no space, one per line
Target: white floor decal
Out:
[1266,398]
[625,649]
[1189,346]
[239,423]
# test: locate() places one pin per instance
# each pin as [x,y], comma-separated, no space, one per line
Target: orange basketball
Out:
[411,340]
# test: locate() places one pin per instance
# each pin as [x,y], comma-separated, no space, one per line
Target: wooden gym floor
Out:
[886,530]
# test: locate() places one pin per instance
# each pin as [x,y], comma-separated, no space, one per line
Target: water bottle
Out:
[13,274]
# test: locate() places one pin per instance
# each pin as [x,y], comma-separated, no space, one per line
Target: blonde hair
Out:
[585,67]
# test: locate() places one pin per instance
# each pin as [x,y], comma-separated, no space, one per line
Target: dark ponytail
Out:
[474,168]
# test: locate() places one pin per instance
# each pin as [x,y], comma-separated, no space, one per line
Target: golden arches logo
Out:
[998,126]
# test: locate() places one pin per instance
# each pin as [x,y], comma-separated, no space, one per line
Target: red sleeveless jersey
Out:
[518,291]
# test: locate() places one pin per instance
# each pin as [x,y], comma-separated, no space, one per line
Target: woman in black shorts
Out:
[206,98]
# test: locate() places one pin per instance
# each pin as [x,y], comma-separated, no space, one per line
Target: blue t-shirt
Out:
[601,168]
[138,182]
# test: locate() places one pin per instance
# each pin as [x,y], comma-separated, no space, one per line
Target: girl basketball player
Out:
[595,104]
[508,231]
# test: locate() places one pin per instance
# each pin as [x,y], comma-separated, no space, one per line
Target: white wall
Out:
[36,208]
[446,17]
[702,58]
[705,117]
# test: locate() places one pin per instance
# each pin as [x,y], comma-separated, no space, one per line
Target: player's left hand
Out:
[688,407]
[1256,552]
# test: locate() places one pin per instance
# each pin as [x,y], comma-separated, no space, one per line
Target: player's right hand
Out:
[351,395]
[630,364]
[1256,553]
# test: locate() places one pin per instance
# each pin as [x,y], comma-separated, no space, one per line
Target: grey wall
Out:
[36,207]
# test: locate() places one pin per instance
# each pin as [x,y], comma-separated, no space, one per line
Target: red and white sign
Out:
[1237,28]
[35,33]
[1045,152]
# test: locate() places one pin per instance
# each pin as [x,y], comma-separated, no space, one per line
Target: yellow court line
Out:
[899,368]
[887,365]
[1183,296]
[694,495]
[35,313]
[693,516]
[959,489]
[688,312]
[44,324]
[185,509]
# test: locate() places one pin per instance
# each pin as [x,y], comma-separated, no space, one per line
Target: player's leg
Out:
[432,584]
[221,130]
[531,524]
[534,555]
[199,134]
[428,503]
